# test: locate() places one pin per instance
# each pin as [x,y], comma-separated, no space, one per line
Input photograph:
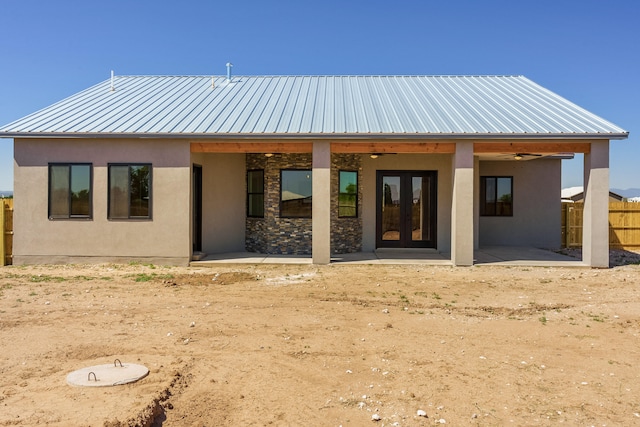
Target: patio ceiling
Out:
[486,150]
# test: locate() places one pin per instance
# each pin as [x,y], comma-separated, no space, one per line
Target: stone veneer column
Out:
[462,236]
[595,225]
[321,209]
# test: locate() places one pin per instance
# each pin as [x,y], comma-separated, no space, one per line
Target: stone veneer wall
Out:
[346,233]
[292,236]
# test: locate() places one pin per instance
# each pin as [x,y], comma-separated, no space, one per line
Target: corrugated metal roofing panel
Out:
[304,106]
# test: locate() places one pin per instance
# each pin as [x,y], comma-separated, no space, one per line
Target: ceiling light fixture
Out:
[517,157]
[268,154]
[375,155]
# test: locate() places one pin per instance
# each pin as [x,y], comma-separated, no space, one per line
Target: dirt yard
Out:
[339,345]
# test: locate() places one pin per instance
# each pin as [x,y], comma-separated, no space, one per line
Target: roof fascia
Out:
[195,136]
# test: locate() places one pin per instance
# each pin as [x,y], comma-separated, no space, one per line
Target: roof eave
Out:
[333,136]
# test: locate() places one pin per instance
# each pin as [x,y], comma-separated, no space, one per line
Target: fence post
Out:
[567,226]
[3,236]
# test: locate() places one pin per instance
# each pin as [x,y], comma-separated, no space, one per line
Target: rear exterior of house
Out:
[160,169]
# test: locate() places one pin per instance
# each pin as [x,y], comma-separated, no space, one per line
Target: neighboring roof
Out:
[307,106]
[567,193]
[577,193]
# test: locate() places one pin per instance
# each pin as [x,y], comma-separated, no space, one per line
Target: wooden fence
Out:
[6,227]
[624,225]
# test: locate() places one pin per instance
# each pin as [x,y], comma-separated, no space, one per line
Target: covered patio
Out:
[493,255]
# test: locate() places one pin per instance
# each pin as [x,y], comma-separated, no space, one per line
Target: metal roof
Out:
[308,106]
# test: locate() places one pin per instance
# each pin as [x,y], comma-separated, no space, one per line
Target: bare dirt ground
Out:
[322,345]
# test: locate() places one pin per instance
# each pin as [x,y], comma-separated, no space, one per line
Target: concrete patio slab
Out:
[494,255]
[524,256]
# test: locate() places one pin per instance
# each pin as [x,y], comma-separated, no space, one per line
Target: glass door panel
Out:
[391,208]
[417,211]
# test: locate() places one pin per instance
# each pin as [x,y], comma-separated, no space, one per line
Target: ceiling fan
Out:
[520,156]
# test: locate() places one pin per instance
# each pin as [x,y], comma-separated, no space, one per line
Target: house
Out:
[161,168]
[576,194]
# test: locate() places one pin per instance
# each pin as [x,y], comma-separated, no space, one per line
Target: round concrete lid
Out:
[107,375]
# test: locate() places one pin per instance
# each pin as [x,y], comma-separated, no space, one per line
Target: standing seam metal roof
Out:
[300,106]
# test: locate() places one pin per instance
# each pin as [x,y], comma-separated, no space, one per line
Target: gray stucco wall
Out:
[165,239]
[223,201]
[536,205]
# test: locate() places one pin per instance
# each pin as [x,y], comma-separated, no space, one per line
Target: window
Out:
[70,191]
[295,193]
[129,191]
[496,196]
[255,193]
[348,195]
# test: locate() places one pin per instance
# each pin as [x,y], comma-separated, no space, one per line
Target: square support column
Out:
[595,225]
[321,208]
[476,202]
[462,235]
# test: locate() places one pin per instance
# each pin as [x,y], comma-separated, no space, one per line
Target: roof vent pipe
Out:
[112,86]
[229,65]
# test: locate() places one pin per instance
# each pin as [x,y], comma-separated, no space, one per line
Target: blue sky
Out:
[585,50]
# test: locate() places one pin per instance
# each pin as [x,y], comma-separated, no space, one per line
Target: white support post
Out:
[462,234]
[321,209]
[595,226]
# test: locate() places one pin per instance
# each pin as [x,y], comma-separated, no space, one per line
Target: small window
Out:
[255,193]
[295,193]
[496,196]
[129,191]
[70,191]
[348,195]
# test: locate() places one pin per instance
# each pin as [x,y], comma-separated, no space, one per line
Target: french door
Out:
[406,209]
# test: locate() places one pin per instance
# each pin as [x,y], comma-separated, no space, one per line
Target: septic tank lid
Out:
[107,375]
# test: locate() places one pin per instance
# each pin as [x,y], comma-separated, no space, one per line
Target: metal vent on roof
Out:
[229,65]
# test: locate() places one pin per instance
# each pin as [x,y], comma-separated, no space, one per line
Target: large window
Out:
[348,195]
[496,196]
[295,193]
[130,191]
[70,191]
[255,193]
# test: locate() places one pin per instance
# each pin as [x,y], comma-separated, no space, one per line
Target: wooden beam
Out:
[252,147]
[393,147]
[307,147]
[540,147]
[384,146]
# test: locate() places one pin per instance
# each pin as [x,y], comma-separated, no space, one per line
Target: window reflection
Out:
[295,193]
[348,195]
[69,191]
[129,191]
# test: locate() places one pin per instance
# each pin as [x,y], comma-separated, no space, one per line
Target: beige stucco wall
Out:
[536,205]
[223,201]
[165,239]
[427,162]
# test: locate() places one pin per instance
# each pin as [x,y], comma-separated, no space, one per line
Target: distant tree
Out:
[505,198]
[351,189]
[388,200]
